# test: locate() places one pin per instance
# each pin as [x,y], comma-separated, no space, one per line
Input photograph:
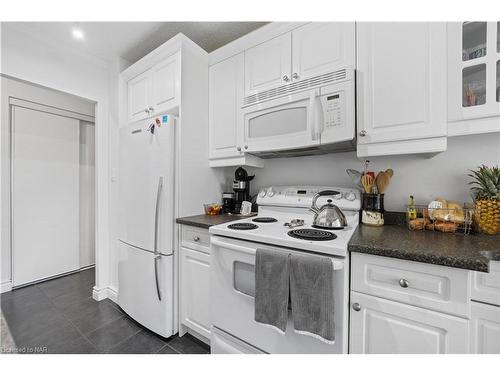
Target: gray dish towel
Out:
[272,280]
[311,290]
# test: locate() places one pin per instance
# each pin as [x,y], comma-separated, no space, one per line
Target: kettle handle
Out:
[321,194]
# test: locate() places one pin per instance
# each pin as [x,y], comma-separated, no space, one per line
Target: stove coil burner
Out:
[264,220]
[242,226]
[312,234]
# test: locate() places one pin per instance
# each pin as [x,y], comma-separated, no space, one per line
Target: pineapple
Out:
[486,192]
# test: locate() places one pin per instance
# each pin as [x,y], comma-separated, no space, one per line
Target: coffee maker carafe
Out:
[241,187]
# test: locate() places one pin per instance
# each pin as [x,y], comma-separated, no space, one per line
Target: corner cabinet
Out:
[154,91]
[401,88]
[473,77]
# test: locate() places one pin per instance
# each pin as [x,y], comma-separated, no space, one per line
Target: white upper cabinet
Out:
[165,84]
[138,97]
[401,87]
[225,95]
[473,77]
[155,91]
[320,47]
[268,65]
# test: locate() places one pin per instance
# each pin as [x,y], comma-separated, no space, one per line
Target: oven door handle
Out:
[337,264]
[241,249]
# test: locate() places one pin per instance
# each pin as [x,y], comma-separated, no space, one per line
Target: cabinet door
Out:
[194,297]
[225,97]
[486,285]
[401,81]
[382,326]
[473,77]
[139,96]
[321,47]
[268,65]
[485,329]
[165,83]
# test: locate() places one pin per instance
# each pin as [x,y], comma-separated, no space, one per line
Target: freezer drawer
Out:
[138,292]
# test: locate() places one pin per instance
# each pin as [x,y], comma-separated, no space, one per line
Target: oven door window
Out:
[244,278]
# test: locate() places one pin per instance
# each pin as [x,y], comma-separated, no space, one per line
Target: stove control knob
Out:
[350,196]
[270,192]
[262,193]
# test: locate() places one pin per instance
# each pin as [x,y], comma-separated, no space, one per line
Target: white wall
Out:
[35,60]
[443,175]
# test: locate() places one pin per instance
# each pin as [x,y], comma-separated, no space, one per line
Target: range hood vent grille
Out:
[290,88]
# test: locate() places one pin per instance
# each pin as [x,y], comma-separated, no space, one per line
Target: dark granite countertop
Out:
[206,221]
[471,252]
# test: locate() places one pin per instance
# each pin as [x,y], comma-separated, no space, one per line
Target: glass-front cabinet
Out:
[473,77]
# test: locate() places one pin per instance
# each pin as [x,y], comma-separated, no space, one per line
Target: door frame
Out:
[100,119]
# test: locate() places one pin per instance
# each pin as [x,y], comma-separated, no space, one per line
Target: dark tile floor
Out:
[60,316]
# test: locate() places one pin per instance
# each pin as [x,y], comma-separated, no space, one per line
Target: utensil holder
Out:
[373,209]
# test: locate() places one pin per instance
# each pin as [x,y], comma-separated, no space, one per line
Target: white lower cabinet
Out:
[485,328]
[382,326]
[195,291]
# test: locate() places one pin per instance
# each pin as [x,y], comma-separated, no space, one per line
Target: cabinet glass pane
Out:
[498,81]
[473,40]
[474,85]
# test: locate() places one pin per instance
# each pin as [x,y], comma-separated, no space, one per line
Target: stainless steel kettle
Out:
[328,216]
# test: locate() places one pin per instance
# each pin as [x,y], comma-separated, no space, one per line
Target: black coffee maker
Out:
[241,187]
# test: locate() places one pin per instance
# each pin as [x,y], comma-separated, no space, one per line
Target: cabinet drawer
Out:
[195,238]
[486,286]
[437,288]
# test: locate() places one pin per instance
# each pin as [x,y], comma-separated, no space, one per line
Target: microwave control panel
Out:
[332,109]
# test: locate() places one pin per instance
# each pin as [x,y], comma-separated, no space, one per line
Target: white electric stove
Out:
[233,248]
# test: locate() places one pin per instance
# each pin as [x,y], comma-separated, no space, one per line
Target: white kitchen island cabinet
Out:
[485,328]
[401,88]
[380,326]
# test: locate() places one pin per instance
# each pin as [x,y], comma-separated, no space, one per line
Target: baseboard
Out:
[6,286]
[107,292]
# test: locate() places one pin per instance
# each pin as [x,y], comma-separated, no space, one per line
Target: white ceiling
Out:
[133,40]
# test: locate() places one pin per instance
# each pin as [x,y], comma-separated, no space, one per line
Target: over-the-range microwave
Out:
[306,117]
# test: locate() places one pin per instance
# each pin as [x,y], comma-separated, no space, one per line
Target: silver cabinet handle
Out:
[295,76]
[196,239]
[157,278]
[356,306]
[147,111]
[151,109]
[286,78]
[362,133]
[403,283]
[238,148]
[246,147]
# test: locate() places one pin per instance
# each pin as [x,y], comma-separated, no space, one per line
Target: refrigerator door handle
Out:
[157,214]
[157,279]
[157,258]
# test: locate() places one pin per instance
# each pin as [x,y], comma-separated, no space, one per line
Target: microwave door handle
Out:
[315,115]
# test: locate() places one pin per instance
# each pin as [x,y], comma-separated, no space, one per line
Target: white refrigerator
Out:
[146,200]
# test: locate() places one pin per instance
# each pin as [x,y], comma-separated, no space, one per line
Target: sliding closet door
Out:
[45,195]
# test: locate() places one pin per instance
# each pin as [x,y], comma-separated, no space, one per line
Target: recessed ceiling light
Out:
[77,33]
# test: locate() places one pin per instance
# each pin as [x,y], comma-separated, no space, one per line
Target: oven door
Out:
[290,122]
[232,286]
